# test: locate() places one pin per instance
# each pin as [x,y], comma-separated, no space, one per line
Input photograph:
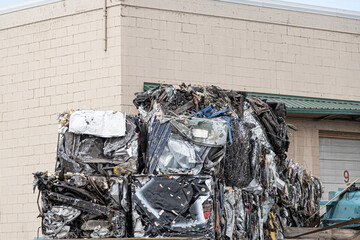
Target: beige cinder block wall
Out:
[52,58]
[239,47]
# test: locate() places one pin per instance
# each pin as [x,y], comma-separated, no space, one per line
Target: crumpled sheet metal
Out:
[98,123]
[186,145]
[274,125]
[300,196]
[251,128]
[179,155]
[243,215]
[56,220]
[96,155]
[202,131]
[83,206]
[188,100]
[173,206]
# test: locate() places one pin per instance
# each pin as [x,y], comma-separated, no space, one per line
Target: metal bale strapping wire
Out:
[196,162]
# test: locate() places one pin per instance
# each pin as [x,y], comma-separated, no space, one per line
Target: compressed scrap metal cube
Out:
[97,143]
[173,206]
[80,206]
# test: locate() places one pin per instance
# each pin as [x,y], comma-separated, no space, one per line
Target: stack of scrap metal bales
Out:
[88,194]
[196,162]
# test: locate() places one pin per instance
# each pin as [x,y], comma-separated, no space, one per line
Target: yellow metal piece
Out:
[65,117]
[274,226]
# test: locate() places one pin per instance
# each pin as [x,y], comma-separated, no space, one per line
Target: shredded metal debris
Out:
[196,162]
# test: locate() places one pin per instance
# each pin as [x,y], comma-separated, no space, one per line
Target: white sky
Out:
[5,3]
[353,5]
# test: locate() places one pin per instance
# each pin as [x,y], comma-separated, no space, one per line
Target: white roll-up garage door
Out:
[337,156]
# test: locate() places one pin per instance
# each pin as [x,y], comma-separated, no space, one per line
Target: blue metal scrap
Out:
[159,135]
[225,114]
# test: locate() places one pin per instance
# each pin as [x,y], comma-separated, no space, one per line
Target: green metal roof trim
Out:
[296,104]
[150,86]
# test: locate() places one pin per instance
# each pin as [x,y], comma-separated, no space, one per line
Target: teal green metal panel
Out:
[343,208]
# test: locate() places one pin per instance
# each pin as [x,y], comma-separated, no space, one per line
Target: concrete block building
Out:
[70,54]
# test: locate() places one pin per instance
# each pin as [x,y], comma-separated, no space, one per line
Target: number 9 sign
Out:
[346,176]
